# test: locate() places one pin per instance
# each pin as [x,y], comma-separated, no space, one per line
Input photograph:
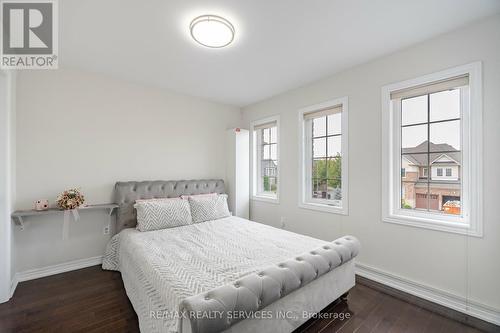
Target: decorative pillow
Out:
[186,196]
[208,208]
[162,214]
[221,208]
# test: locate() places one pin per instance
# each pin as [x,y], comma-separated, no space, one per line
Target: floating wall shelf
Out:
[19,215]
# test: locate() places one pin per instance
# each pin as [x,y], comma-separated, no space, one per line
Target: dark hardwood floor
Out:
[92,300]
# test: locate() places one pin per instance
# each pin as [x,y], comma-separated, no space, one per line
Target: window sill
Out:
[268,199]
[450,227]
[324,208]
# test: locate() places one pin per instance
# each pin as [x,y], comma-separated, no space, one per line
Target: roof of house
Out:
[417,155]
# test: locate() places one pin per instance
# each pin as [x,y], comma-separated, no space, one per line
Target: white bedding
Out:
[169,265]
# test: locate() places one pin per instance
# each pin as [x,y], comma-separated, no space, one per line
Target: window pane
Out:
[266,135]
[319,188]
[445,136]
[334,170]
[274,152]
[334,191]
[319,126]
[335,124]
[414,137]
[414,195]
[448,198]
[266,186]
[334,146]
[269,184]
[274,134]
[319,169]
[266,150]
[414,110]
[319,147]
[445,105]
[273,184]
[415,166]
[414,181]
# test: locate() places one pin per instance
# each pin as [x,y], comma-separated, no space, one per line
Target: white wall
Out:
[77,129]
[466,267]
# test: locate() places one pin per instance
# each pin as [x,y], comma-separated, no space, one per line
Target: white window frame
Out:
[254,177]
[305,198]
[471,221]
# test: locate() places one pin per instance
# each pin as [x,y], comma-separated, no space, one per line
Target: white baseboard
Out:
[13,286]
[53,269]
[455,302]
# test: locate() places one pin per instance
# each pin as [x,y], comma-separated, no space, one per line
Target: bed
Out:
[229,274]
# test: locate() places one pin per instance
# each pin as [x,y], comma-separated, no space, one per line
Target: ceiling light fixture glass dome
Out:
[212,31]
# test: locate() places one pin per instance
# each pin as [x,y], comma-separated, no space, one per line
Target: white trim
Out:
[6,114]
[471,222]
[37,273]
[438,296]
[323,208]
[263,198]
[302,202]
[253,161]
[13,286]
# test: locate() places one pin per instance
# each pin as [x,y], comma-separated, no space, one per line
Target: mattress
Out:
[172,264]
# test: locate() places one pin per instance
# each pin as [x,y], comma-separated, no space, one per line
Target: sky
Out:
[443,105]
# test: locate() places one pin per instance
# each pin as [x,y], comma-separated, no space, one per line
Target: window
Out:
[430,124]
[323,157]
[403,172]
[265,159]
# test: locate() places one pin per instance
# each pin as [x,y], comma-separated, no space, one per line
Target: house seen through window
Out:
[431,140]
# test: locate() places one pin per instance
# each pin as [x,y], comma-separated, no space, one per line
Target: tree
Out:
[266,184]
[328,171]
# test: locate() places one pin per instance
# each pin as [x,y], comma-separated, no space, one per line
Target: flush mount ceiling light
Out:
[212,31]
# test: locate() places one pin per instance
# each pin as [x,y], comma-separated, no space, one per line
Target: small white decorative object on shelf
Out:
[42,204]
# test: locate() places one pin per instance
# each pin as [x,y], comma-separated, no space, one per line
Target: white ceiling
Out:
[279,44]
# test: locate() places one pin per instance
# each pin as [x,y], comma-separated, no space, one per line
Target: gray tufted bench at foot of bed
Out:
[255,291]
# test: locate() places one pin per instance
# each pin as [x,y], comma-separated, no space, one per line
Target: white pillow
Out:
[162,214]
[208,208]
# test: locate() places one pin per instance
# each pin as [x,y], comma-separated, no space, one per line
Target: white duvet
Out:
[160,268]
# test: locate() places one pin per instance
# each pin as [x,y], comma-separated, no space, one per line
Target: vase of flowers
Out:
[70,199]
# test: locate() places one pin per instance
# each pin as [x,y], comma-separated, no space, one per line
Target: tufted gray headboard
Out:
[127,192]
